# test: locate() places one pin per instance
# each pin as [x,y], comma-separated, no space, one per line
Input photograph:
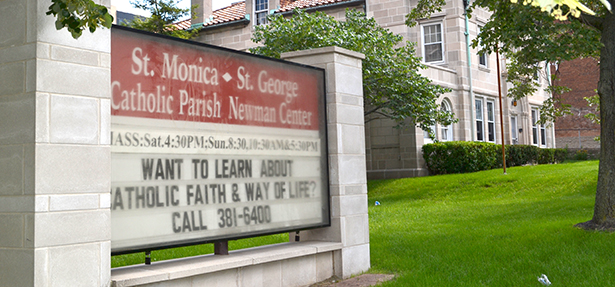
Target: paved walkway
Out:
[364,280]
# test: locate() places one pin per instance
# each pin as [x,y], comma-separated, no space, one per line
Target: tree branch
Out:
[590,20]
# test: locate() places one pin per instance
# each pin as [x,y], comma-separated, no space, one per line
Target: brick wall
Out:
[580,75]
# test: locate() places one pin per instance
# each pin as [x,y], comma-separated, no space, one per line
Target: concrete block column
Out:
[347,165]
[54,150]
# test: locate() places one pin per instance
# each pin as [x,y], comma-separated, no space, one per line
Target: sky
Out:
[125,6]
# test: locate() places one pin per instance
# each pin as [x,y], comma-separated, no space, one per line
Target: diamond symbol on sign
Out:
[227,77]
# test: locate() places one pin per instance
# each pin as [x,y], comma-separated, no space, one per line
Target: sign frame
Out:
[323,138]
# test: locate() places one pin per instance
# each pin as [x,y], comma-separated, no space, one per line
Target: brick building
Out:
[575,131]
[391,152]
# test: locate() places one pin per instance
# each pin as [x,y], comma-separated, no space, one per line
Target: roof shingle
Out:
[237,11]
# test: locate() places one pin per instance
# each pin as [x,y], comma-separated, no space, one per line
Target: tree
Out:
[164,13]
[392,86]
[528,36]
[76,15]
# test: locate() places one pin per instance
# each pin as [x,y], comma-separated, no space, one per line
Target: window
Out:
[534,127]
[490,121]
[482,57]
[514,131]
[485,120]
[261,8]
[478,104]
[543,135]
[446,131]
[539,131]
[433,46]
[426,138]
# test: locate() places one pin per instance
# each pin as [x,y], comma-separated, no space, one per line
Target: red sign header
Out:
[159,78]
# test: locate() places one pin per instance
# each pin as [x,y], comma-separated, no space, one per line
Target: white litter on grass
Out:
[377,203]
[544,280]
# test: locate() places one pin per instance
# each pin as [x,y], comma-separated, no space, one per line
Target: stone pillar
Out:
[347,166]
[202,12]
[54,151]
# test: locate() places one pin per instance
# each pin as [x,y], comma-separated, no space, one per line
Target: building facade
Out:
[397,152]
[574,131]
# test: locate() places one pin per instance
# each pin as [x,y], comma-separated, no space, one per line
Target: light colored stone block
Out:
[83,269]
[31,76]
[345,114]
[349,137]
[12,78]
[105,200]
[357,189]
[42,118]
[299,271]
[356,229]
[10,204]
[17,267]
[62,228]
[43,50]
[41,274]
[17,53]
[72,169]
[41,203]
[105,122]
[105,263]
[226,278]
[72,55]
[11,170]
[186,282]
[263,275]
[73,202]
[105,60]
[352,169]
[16,119]
[355,260]
[349,205]
[324,266]
[11,230]
[12,22]
[73,120]
[348,80]
[72,79]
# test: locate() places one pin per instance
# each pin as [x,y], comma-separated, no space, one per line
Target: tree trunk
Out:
[604,208]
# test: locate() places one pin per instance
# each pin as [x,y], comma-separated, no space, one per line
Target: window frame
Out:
[257,13]
[446,131]
[514,129]
[491,130]
[482,56]
[534,119]
[424,43]
[478,111]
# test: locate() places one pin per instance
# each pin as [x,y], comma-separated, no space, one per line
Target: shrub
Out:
[581,155]
[561,154]
[518,155]
[463,157]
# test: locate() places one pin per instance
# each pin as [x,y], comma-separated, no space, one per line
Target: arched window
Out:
[446,132]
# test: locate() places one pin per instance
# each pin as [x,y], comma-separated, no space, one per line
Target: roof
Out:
[237,11]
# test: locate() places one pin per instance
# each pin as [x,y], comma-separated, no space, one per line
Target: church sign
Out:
[211,144]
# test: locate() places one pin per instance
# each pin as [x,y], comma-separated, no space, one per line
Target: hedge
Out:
[462,157]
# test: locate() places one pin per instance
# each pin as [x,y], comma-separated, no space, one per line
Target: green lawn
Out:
[490,229]
[478,229]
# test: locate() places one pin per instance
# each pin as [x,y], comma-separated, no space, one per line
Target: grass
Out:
[490,229]
[478,229]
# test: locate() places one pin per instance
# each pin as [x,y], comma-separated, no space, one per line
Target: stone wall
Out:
[54,151]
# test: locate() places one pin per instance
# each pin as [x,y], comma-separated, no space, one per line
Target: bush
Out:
[581,155]
[518,155]
[463,157]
